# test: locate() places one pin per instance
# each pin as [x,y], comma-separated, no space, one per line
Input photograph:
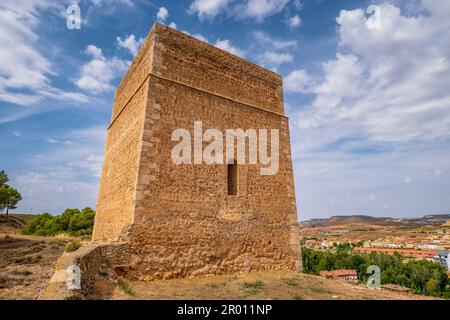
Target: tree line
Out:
[73,222]
[422,276]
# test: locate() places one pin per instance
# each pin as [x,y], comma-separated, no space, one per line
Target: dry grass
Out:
[26,265]
[73,246]
[286,285]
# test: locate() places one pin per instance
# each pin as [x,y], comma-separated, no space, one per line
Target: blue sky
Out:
[369,107]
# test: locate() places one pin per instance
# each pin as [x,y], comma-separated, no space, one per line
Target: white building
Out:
[428,246]
[443,258]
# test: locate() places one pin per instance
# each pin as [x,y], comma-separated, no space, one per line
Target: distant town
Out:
[426,238]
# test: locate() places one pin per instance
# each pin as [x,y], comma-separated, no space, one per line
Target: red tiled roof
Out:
[404,251]
[339,273]
[344,273]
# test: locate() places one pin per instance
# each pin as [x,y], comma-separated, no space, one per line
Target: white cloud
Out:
[197,36]
[226,45]
[392,83]
[254,9]
[298,81]
[65,176]
[94,51]
[261,9]
[379,112]
[55,190]
[162,14]
[130,43]
[272,52]
[16,134]
[274,59]
[277,44]
[22,65]
[294,21]
[55,141]
[173,25]
[97,74]
[101,3]
[207,9]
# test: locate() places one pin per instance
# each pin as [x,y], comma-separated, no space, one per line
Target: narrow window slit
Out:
[232,179]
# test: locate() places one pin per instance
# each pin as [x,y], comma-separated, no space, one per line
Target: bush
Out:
[73,246]
[72,221]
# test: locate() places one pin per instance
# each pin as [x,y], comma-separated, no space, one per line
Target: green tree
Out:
[39,225]
[3,178]
[9,198]
[432,287]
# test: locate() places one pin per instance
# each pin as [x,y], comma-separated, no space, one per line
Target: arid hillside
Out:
[368,221]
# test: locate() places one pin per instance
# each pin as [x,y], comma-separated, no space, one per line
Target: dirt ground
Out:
[285,285]
[26,265]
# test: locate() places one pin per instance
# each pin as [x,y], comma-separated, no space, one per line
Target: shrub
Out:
[73,246]
[72,221]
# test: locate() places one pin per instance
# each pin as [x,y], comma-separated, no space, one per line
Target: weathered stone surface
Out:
[178,220]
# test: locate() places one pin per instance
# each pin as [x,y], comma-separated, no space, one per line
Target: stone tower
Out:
[194,219]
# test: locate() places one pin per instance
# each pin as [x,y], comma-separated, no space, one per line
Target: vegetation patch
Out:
[254,288]
[73,246]
[73,222]
[124,285]
[319,290]
[27,260]
[292,282]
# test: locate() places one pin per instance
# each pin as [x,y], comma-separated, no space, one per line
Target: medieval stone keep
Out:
[189,220]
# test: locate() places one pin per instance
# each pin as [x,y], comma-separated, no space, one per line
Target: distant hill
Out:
[352,220]
[11,223]
[24,216]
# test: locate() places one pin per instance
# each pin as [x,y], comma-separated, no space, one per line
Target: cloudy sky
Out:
[367,93]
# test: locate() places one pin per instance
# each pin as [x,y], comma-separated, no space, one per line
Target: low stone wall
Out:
[86,264]
[88,259]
